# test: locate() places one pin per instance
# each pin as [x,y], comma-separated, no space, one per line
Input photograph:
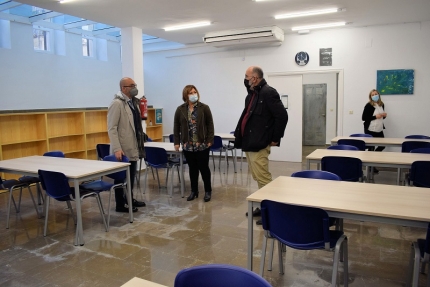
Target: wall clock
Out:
[302,58]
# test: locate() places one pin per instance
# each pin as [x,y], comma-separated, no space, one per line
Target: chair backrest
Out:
[317,174]
[417,137]
[361,135]
[102,150]
[407,146]
[421,150]
[343,147]
[54,153]
[347,168]
[120,175]
[172,138]
[420,173]
[156,156]
[219,275]
[296,226]
[217,143]
[149,139]
[55,184]
[360,144]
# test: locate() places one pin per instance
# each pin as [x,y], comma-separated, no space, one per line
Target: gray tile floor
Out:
[171,234]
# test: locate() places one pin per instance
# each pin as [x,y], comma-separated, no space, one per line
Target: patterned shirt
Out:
[193,144]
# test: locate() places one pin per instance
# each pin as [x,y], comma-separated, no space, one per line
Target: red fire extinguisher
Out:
[143,108]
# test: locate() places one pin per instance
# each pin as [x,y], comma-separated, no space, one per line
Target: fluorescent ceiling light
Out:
[186,26]
[319,26]
[63,1]
[307,13]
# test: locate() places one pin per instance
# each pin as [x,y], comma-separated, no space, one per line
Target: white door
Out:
[291,143]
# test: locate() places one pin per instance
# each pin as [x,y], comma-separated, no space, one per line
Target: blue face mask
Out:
[193,98]
[375,98]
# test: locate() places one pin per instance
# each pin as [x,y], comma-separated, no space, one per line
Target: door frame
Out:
[340,91]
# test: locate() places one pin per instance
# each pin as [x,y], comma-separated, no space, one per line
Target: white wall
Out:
[359,52]
[37,80]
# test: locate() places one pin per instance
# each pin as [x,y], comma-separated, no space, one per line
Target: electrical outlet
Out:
[351,112]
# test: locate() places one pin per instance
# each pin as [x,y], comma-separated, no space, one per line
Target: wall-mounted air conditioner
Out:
[252,36]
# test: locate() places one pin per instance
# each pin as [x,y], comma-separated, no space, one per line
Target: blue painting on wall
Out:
[395,82]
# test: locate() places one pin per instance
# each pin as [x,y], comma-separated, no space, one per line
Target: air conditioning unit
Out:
[252,36]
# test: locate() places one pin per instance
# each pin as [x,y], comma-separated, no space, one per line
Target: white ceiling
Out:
[153,15]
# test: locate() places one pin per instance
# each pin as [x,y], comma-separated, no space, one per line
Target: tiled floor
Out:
[171,234]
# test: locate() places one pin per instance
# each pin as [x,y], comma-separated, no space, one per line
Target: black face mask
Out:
[246,83]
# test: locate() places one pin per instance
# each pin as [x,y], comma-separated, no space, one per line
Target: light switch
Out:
[351,112]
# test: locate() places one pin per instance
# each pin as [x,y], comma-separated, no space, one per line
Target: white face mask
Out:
[193,98]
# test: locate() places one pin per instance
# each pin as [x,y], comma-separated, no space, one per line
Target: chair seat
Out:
[334,237]
[29,179]
[97,185]
[7,184]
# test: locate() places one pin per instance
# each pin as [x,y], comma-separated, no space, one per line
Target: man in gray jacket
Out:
[126,135]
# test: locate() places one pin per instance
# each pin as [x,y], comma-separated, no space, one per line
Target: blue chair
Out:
[420,253]
[218,275]
[54,153]
[343,147]
[101,185]
[417,137]
[302,228]
[156,157]
[56,185]
[218,147]
[11,185]
[172,138]
[347,168]
[360,144]
[420,174]
[102,150]
[361,136]
[316,174]
[407,146]
[421,150]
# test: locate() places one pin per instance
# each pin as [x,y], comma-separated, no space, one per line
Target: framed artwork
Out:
[158,116]
[284,99]
[326,56]
[395,82]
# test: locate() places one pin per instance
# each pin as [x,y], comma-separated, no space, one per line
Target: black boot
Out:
[207,196]
[193,195]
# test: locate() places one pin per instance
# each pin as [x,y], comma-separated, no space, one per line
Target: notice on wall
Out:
[325,56]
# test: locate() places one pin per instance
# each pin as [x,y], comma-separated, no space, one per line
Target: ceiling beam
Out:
[9,5]
[78,24]
[105,31]
[44,16]
[14,18]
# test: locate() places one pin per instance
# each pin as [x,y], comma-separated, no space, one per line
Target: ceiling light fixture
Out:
[328,25]
[308,13]
[186,26]
[63,1]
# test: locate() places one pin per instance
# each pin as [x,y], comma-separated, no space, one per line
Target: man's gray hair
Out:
[258,71]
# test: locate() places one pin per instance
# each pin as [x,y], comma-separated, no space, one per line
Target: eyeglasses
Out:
[130,86]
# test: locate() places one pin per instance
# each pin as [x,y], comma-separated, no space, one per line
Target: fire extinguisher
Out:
[143,108]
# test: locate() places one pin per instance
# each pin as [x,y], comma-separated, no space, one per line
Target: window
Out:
[41,40]
[88,47]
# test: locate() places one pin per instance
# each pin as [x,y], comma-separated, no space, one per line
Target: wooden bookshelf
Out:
[154,130]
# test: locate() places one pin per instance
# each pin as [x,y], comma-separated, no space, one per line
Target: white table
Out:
[398,205]
[380,159]
[388,142]
[224,136]
[170,149]
[138,282]
[76,170]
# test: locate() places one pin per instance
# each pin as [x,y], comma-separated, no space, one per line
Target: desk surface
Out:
[168,146]
[401,202]
[71,167]
[379,141]
[389,158]
[224,136]
[138,282]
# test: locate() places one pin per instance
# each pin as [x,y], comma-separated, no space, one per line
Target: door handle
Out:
[323,115]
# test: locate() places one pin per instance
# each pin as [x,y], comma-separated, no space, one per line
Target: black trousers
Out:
[375,135]
[120,192]
[198,161]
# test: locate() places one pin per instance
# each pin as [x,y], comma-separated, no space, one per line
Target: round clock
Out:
[302,58]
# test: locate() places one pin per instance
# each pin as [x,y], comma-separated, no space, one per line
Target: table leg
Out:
[234,161]
[79,238]
[250,235]
[181,174]
[129,197]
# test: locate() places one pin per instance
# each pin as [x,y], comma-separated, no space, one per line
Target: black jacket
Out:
[368,116]
[267,120]
[205,124]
